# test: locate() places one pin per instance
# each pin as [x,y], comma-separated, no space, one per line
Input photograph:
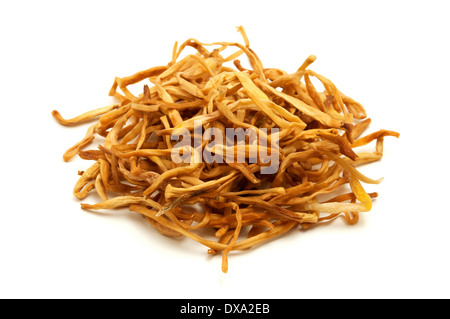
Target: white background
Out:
[392,56]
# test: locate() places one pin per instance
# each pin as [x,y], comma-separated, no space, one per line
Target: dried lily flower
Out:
[317,134]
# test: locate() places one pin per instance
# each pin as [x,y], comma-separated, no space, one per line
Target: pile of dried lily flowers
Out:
[242,206]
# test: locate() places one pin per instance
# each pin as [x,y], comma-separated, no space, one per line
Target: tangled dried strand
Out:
[317,134]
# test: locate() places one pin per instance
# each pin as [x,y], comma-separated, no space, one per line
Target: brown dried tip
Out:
[313,151]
